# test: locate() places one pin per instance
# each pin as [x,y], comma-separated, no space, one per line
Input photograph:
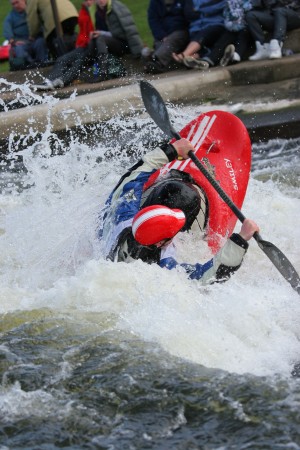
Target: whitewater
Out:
[52,273]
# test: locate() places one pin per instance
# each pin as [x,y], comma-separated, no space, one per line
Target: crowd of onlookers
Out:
[196,34]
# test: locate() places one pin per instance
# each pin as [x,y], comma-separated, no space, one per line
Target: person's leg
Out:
[22,51]
[258,22]
[98,46]
[104,52]
[98,53]
[39,49]
[175,42]
[68,67]
[284,19]
[242,44]
[206,38]
[217,50]
[192,49]
[234,52]
[79,60]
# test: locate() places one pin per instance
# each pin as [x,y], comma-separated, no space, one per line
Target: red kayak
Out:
[223,145]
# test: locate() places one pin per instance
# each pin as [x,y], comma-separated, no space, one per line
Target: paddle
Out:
[157,110]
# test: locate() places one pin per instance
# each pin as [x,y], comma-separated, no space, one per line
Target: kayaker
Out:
[139,223]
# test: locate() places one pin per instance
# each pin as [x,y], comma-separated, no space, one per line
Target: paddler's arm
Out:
[168,152]
[224,263]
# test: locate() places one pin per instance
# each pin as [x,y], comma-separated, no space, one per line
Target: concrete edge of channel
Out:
[101,105]
[63,114]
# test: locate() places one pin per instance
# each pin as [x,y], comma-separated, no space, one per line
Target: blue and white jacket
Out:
[117,241]
[204,13]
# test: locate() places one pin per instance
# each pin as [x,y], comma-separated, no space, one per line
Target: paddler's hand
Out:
[248,229]
[183,147]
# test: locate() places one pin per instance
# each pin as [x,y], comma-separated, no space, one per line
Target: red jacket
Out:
[85,27]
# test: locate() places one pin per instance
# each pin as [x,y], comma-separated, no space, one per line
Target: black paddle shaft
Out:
[157,110]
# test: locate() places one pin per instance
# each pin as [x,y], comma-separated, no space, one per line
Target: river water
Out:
[99,355]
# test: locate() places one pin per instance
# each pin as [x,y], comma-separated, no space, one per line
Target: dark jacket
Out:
[166,17]
[122,26]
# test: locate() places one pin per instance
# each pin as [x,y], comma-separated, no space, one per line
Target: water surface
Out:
[99,355]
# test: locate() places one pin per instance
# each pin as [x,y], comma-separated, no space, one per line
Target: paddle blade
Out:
[281,262]
[156,109]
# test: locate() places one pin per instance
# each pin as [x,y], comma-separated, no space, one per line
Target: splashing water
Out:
[106,355]
[50,254]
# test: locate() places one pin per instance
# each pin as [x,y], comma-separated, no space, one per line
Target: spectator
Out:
[24,52]
[235,40]
[170,31]
[40,14]
[142,217]
[118,35]
[116,31]
[275,17]
[68,67]
[206,23]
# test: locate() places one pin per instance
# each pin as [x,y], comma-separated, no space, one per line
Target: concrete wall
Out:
[292,41]
[178,86]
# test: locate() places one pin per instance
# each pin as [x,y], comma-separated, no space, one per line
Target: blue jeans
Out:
[31,51]
[278,23]
[69,66]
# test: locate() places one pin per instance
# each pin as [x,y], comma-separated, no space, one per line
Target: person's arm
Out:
[223,264]
[8,31]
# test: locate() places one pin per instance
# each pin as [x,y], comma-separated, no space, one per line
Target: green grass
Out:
[137,7]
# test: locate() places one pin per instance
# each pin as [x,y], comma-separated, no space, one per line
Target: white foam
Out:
[48,258]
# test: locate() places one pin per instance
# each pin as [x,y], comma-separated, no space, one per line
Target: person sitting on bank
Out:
[40,16]
[68,67]
[170,31]
[235,40]
[276,17]
[206,23]
[138,223]
[118,26]
[24,53]
[116,32]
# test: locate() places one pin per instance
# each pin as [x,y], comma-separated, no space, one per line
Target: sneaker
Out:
[228,55]
[236,58]
[195,63]
[48,85]
[275,49]
[58,83]
[262,52]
